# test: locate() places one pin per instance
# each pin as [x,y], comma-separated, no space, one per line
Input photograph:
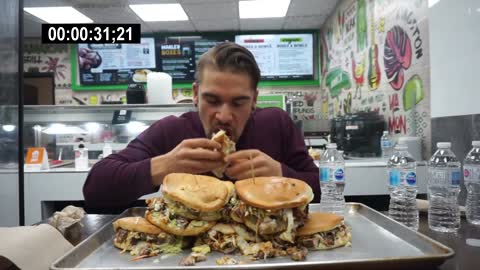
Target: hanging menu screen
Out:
[179,55]
[281,56]
[110,63]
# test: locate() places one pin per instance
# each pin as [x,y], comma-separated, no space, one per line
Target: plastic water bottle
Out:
[81,156]
[471,173]
[332,180]
[402,183]
[444,173]
[386,145]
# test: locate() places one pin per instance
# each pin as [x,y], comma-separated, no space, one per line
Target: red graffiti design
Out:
[393,102]
[52,65]
[397,56]
[397,124]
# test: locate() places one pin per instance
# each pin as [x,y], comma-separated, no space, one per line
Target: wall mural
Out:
[54,58]
[373,59]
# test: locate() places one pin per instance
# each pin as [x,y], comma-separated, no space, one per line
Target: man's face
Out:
[225,101]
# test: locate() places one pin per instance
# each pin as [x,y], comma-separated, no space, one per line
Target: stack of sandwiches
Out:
[261,217]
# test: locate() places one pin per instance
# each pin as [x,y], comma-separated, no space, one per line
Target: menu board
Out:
[179,55]
[281,56]
[110,63]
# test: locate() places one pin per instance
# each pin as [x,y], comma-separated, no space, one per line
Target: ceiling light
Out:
[136,127]
[55,128]
[432,3]
[58,14]
[92,127]
[263,8]
[160,12]
[8,128]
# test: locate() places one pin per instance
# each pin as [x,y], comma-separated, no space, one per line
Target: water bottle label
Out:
[471,173]
[411,179]
[456,175]
[324,174]
[339,174]
[386,144]
[394,178]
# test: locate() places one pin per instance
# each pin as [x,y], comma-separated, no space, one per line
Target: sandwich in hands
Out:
[272,207]
[191,204]
[228,147]
[323,231]
[142,239]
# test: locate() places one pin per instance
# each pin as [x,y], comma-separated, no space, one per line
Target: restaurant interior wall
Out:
[55,58]
[375,57]
[454,75]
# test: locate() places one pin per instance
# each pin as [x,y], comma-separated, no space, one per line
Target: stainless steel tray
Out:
[377,241]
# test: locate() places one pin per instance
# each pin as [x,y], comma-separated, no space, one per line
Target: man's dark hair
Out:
[230,57]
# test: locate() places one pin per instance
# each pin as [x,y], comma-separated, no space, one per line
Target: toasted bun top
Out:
[136,224]
[274,192]
[319,222]
[199,192]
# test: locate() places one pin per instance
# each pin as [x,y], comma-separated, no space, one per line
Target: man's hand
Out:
[241,164]
[193,156]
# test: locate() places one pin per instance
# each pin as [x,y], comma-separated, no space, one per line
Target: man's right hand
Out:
[193,156]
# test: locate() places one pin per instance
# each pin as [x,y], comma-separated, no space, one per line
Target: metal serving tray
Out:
[377,242]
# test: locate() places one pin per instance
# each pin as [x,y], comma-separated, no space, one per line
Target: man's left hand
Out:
[242,162]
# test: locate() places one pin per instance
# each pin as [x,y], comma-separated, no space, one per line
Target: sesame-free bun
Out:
[136,224]
[274,192]
[319,222]
[191,229]
[199,192]
[228,147]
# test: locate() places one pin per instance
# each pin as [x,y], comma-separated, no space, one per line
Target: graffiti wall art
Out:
[374,59]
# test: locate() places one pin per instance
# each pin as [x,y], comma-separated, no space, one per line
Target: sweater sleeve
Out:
[120,178]
[123,177]
[298,163]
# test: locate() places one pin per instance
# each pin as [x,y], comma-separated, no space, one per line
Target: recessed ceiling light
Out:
[58,14]
[263,8]
[160,12]
[432,3]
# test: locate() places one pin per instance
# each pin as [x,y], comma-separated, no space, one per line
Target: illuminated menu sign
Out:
[104,64]
[179,55]
[281,56]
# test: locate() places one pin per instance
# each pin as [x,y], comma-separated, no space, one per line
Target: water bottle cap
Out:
[476,143]
[444,145]
[385,132]
[332,145]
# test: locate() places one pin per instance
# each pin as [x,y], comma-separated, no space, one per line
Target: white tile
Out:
[306,22]
[181,26]
[211,10]
[311,7]
[262,24]
[216,25]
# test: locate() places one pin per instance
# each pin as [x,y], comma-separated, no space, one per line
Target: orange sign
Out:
[37,159]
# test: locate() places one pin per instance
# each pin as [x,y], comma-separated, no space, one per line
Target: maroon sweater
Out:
[123,177]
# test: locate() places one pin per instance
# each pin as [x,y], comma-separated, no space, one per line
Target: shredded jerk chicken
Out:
[283,221]
[324,239]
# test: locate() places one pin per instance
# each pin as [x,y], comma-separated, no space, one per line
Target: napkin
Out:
[66,218]
[32,247]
